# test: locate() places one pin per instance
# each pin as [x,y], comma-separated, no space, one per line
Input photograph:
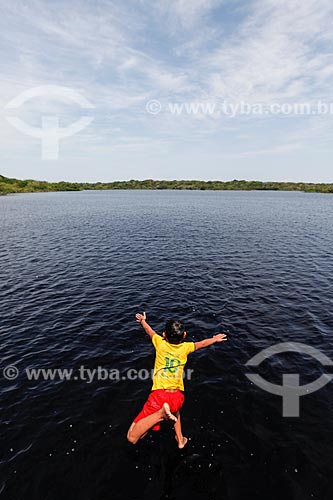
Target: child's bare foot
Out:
[182,443]
[166,413]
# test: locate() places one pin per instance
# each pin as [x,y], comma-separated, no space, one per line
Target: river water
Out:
[77,266]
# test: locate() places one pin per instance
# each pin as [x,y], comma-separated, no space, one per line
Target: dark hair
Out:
[174,331]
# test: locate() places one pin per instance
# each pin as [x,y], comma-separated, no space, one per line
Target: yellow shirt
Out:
[169,363]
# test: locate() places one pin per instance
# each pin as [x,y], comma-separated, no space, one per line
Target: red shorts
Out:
[155,402]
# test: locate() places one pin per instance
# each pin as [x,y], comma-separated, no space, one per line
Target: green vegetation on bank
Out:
[8,185]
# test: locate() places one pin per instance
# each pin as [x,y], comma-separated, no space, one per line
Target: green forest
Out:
[9,185]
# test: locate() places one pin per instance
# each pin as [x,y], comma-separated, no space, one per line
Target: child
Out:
[166,397]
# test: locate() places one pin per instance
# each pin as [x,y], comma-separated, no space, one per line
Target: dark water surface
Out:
[76,267]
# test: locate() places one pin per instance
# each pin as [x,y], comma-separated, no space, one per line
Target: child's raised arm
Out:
[141,318]
[220,337]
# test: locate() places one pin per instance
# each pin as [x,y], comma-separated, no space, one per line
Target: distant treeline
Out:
[8,185]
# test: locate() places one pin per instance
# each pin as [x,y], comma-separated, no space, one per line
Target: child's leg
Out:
[178,430]
[139,429]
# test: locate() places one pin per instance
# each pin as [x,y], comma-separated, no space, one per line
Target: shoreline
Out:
[178,190]
[17,186]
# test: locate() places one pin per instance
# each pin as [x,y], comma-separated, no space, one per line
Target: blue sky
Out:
[119,55]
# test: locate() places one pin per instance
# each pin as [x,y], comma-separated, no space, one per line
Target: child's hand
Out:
[140,317]
[220,337]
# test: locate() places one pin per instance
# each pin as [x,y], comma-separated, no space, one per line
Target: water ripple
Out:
[76,267]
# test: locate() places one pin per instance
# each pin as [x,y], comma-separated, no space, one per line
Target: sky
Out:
[113,90]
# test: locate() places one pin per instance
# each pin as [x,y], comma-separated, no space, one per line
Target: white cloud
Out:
[121,54]
[274,53]
[188,12]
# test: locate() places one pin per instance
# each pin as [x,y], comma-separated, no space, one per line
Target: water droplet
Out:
[296,470]
[11,449]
